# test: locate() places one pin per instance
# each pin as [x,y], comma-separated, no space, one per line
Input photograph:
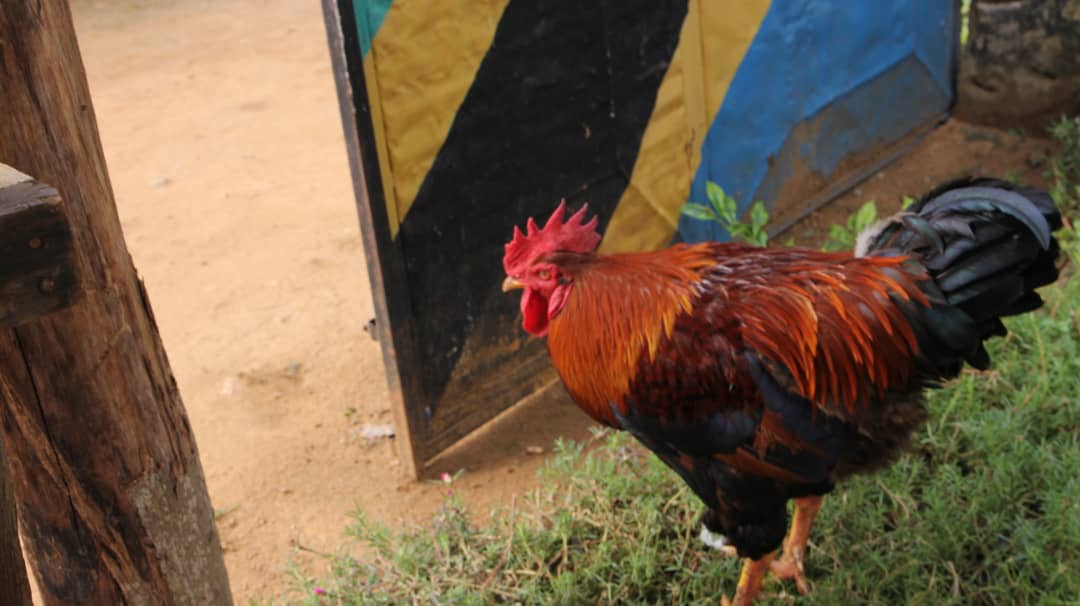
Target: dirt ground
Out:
[221,130]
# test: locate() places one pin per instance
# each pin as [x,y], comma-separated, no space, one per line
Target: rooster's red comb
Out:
[575,235]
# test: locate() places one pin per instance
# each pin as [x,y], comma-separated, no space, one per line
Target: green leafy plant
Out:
[965,16]
[1065,168]
[1070,243]
[723,209]
[842,236]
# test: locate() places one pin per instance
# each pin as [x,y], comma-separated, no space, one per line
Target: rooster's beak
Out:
[511,284]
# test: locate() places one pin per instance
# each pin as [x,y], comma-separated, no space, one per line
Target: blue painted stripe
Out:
[369,16]
[877,113]
[937,31]
[806,55]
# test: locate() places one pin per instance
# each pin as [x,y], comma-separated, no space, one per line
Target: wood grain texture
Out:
[102,454]
[37,274]
[14,585]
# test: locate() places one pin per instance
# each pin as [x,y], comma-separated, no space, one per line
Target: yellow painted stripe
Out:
[423,61]
[712,44]
[375,103]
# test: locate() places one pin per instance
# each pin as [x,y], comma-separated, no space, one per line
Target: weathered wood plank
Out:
[112,500]
[37,274]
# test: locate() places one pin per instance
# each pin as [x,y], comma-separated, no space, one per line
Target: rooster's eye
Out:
[544,274]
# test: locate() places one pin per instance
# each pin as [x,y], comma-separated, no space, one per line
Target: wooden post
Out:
[112,499]
[37,276]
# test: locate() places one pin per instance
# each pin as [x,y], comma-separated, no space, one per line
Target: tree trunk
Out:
[112,499]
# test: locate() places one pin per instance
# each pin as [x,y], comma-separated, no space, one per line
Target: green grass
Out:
[965,13]
[1065,167]
[985,510]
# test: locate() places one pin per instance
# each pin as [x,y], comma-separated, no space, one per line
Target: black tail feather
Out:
[987,245]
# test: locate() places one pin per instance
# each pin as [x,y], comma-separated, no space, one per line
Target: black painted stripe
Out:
[558,108]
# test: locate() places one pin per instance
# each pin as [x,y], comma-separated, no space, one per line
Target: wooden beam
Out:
[112,499]
[37,274]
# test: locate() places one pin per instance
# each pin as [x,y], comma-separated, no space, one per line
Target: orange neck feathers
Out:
[621,308]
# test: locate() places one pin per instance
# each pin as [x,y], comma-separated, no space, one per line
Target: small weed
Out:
[975,134]
[1018,133]
[1065,168]
[965,19]
[1069,236]
[842,237]
[723,209]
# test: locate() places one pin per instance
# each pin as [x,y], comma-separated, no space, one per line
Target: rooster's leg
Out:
[791,564]
[750,581]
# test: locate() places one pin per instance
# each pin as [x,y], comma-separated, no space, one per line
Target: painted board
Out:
[465,117]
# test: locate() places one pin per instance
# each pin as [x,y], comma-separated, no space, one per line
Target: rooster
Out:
[763,375]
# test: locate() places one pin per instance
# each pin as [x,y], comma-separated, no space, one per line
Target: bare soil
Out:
[220,125]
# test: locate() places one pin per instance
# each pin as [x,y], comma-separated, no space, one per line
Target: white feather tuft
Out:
[871,233]
[712,539]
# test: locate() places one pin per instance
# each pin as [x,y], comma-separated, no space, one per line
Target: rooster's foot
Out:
[791,567]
